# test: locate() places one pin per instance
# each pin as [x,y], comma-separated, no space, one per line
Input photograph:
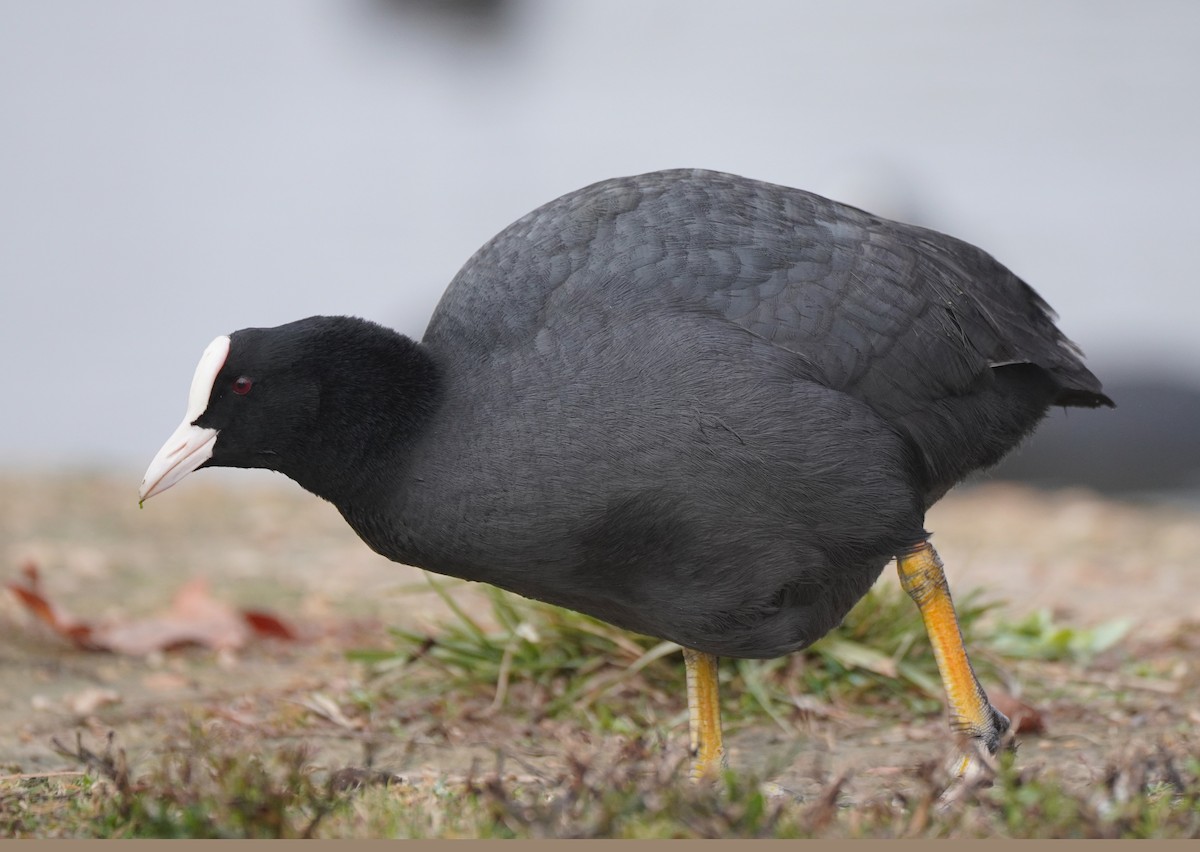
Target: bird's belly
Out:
[660,563]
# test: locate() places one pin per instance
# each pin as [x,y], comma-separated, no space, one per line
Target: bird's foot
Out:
[976,765]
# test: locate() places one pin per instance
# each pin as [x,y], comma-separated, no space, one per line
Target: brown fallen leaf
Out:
[165,682]
[90,700]
[326,707]
[194,618]
[30,594]
[1025,718]
[265,624]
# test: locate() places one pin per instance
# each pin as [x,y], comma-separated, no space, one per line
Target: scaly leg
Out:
[971,714]
[704,714]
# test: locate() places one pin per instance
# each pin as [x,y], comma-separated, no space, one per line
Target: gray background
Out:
[174,171]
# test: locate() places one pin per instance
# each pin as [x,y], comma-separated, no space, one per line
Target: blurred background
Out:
[174,171]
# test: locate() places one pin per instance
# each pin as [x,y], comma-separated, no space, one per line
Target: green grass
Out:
[1039,637]
[575,664]
[879,656]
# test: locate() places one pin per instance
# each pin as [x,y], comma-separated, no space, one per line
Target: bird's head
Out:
[308,399]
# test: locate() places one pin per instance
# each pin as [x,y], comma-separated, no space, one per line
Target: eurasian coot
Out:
[694,405]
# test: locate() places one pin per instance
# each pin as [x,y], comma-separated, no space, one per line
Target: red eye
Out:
[242,385]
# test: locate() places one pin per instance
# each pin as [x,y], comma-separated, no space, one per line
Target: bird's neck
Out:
[372,413]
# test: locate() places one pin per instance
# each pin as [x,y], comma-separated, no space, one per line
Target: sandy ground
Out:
[268,545]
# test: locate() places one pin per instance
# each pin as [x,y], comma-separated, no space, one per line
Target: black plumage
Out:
[694,405]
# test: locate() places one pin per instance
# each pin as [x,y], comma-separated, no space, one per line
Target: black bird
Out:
[697,406]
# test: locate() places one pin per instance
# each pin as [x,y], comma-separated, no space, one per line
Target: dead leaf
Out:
[1025,718]
[265,624]
[194,618]
[325,706]
[90,700]
[165,682]
[30,594]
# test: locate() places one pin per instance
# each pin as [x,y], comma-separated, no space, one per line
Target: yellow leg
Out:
[704,714]
[971,714]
